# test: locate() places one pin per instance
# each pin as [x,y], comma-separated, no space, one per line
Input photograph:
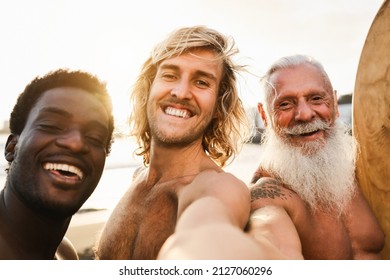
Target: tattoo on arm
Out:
[269,188]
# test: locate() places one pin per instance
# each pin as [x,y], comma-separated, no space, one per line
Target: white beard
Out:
[324,177]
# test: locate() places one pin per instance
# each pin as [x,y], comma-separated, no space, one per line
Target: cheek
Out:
[207,101]
[29,146]
[99,159]
[326,112]
[159,89]
[283,118]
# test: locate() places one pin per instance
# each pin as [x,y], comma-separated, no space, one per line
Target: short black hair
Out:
[54,79]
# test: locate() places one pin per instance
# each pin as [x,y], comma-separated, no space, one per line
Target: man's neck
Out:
[30,235]
[167,163]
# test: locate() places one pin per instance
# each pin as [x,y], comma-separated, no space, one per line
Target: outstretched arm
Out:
[215,238]
[272,224]
[269,218]
[211,224]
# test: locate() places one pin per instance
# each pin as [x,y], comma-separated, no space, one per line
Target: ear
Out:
[336,105]
[9,152]
[262,113]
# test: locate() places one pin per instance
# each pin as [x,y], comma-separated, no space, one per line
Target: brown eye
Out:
[202,84]
[285,105]
[317,99]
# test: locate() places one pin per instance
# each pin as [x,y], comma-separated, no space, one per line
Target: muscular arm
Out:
[230,193]
[272,224]
[269,218]
[211,225]
[269,191]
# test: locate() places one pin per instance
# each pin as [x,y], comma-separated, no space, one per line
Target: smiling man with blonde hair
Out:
[189,121]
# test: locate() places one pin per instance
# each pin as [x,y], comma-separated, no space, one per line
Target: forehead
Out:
[298,78]
[196,59]
[76,102]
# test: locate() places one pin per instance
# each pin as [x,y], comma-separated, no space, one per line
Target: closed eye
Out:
[50,128]
[168,76]
[97,139]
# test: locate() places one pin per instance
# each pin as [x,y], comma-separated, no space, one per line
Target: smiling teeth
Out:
[64,167]
[177,112]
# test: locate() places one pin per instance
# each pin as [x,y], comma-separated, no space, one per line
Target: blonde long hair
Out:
[230,126]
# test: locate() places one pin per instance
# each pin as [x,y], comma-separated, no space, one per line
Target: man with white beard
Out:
[306,175]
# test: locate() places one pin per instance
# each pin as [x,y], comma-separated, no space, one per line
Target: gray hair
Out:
[290,62]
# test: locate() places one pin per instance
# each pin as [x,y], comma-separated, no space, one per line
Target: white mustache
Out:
[306,127]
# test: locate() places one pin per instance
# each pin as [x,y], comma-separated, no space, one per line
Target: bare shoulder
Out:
[66,251]
[270,191]
[225,187]
[6,250]
[214,182]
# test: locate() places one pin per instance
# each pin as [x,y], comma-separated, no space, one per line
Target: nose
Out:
[73,140]
[304,112]
[182,90]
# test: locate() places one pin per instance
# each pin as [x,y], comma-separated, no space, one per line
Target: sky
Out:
[112,38]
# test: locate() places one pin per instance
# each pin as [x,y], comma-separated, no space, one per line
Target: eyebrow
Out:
[197,72]
[63,113]
[56,111]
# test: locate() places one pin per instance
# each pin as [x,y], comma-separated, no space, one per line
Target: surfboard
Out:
[371,119]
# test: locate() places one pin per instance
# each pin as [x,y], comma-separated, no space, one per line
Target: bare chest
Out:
[327,236]
[154,221]
[141,223]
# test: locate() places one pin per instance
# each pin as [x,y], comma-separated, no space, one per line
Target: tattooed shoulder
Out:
[269,188]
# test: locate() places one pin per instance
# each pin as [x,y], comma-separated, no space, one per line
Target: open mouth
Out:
[307,129]
[181,113]
[308,133]
[64,170]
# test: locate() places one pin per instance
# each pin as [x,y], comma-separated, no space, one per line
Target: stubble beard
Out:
[321,173]
[26,186]
[186,138]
